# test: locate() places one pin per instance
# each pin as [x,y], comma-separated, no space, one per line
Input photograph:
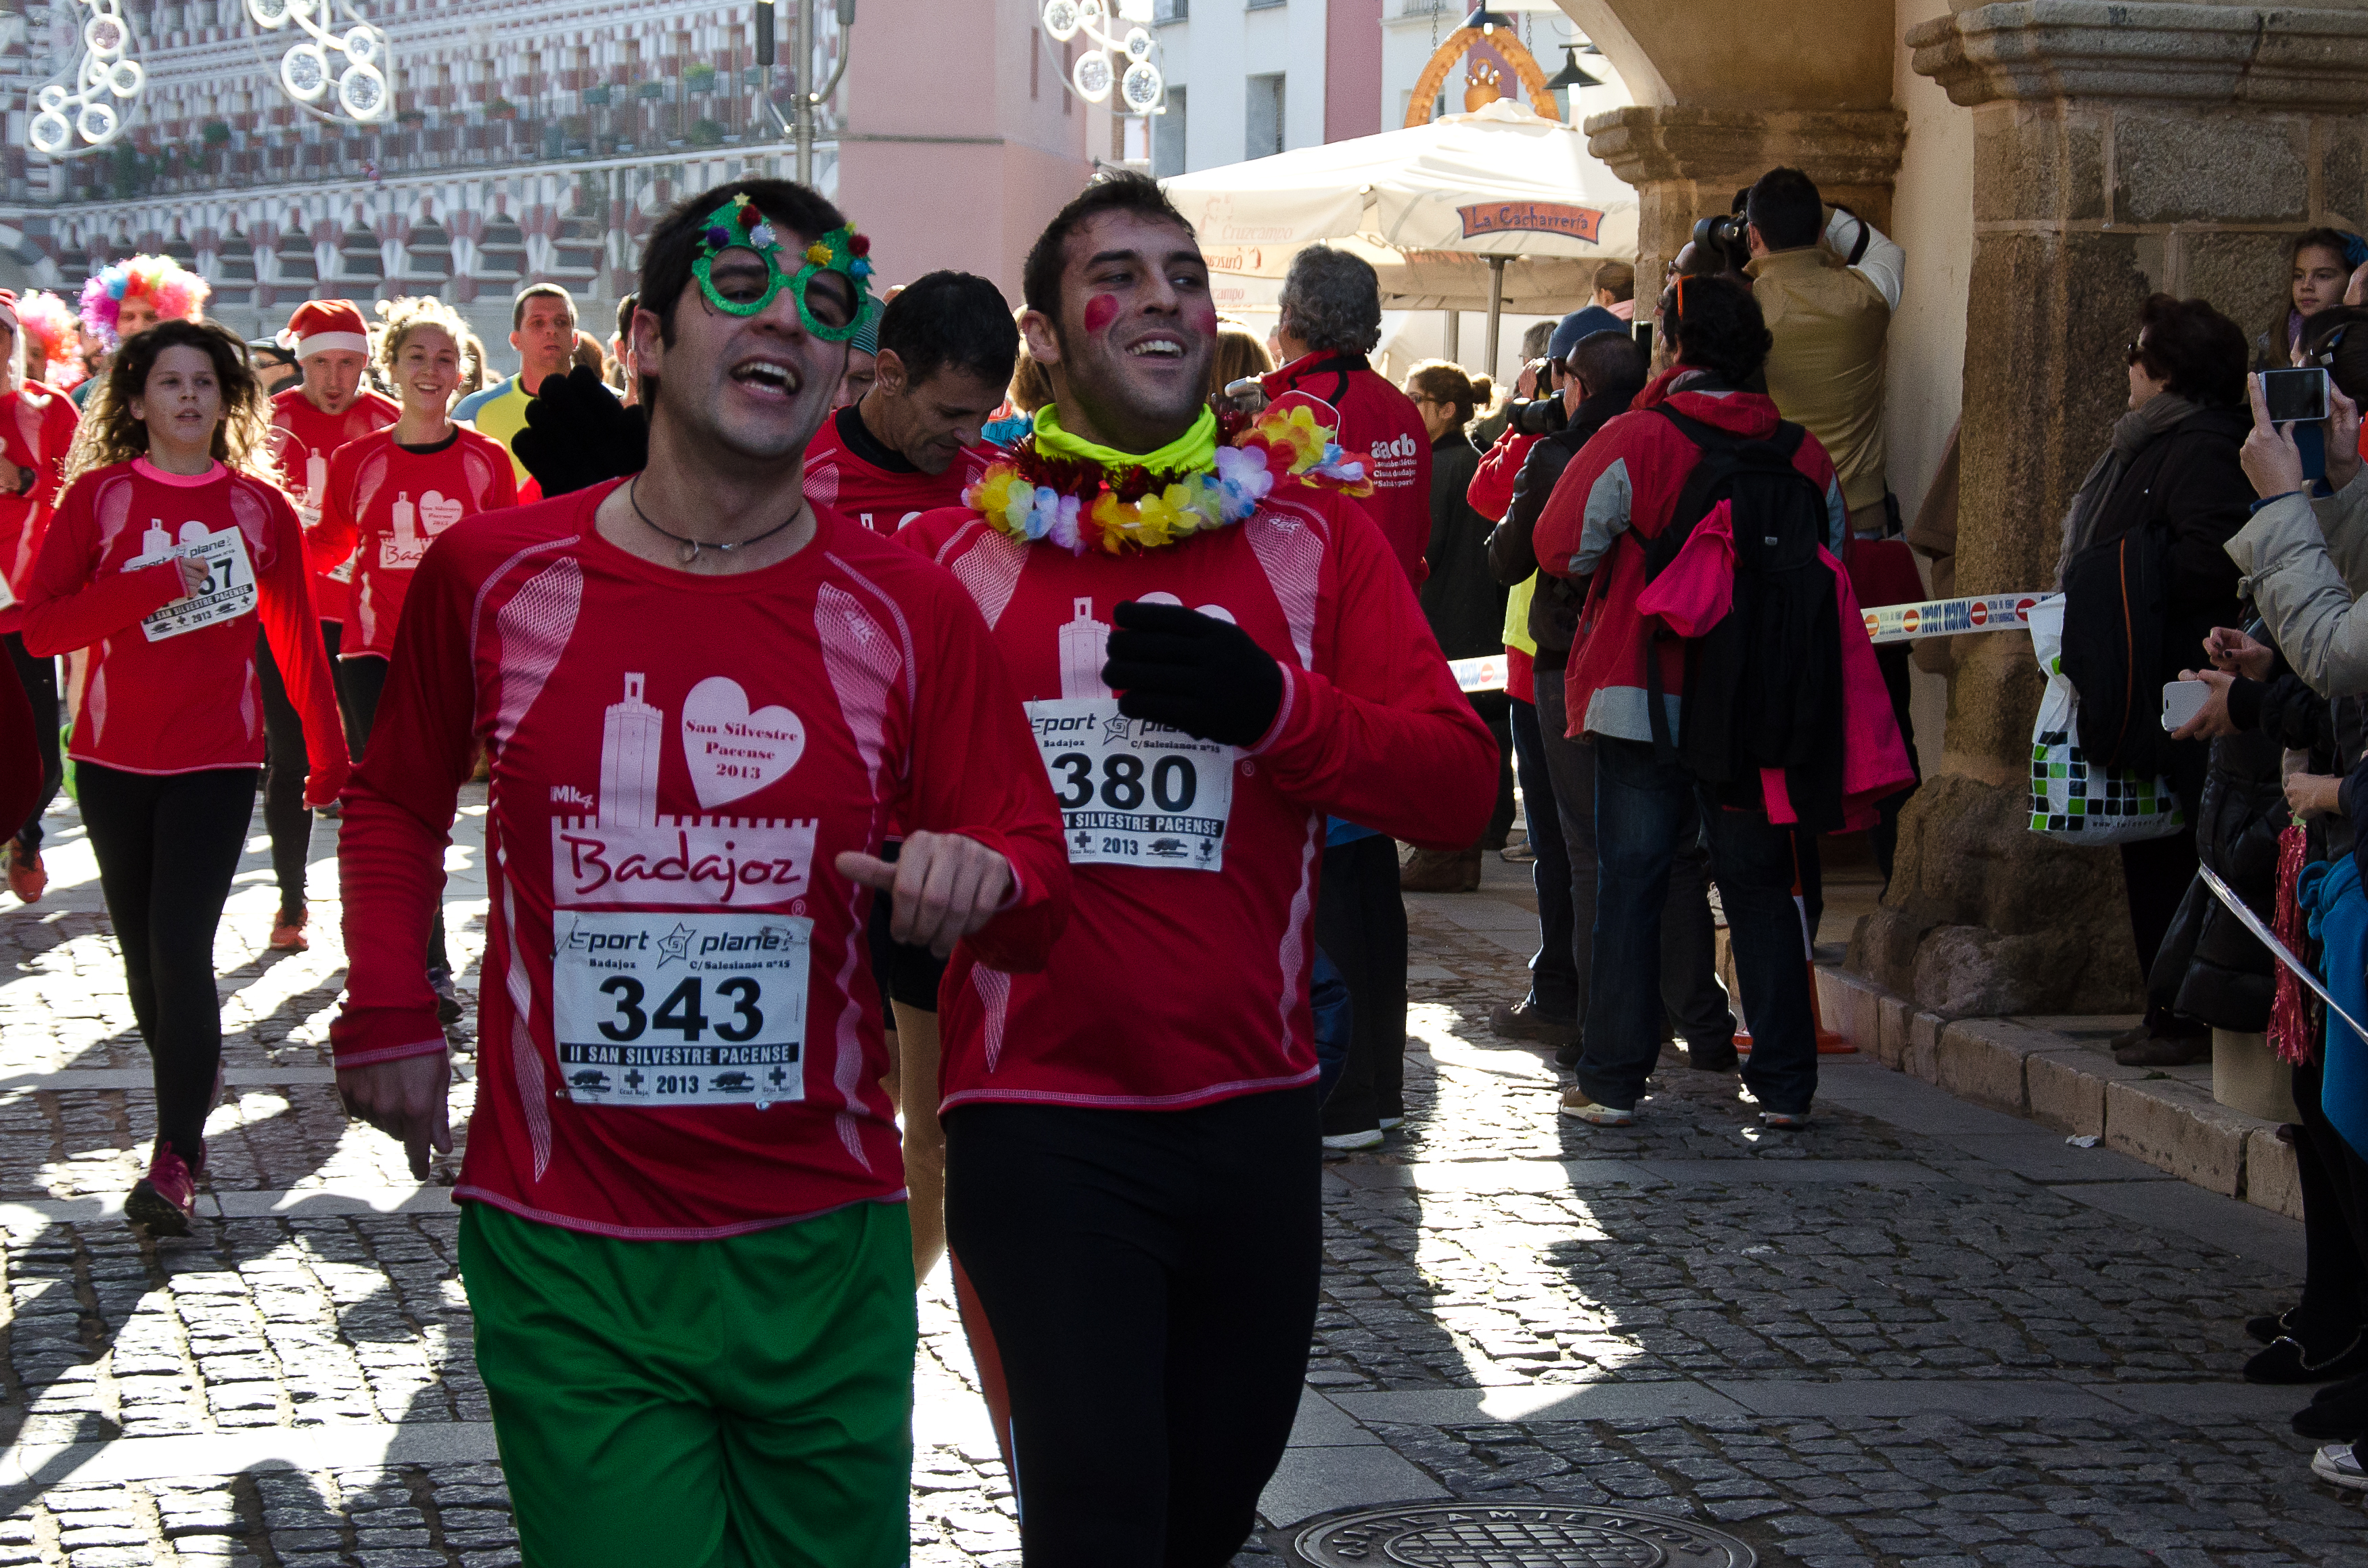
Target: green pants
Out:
[738,1403]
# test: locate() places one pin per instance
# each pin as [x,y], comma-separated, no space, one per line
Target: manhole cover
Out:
[1540,1535]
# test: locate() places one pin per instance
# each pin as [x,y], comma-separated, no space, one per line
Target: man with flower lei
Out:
[1216,648]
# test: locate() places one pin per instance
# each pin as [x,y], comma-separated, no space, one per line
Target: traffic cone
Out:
[1828,1042]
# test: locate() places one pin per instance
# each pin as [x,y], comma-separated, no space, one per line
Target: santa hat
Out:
[321,327]
[8,308]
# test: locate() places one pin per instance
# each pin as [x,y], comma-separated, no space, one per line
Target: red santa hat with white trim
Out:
[321,327]
[8,308]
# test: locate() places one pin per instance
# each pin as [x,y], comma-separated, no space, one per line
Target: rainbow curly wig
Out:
[49,321]
[178,294]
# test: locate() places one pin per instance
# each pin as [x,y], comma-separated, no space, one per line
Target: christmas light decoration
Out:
[1114,61]
[87,106]
[338,70]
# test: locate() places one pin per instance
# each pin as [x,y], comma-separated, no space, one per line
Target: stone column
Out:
[2120,150]
[1687,164]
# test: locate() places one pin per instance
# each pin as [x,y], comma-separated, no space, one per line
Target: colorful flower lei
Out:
[178,293]
[1077,504]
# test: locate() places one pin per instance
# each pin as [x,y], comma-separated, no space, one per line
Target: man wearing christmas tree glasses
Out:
[705,702]
[1216,648]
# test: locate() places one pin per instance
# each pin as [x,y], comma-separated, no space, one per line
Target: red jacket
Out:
[1380,425]
[677,761]
[1184,982]
[1620,489]
[1490,493]
[37,426]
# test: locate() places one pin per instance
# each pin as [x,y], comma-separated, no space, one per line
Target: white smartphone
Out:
[2182,701]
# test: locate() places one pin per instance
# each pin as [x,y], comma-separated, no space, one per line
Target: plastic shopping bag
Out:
[2071,798]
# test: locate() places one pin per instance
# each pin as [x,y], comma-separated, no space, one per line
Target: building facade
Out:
[1251,78]
[532,141]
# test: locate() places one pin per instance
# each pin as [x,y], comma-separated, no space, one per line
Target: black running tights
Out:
[41,681]
[167,845]
[365,682]
[285,814]
[1139,1287]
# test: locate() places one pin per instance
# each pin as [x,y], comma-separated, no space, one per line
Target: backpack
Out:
[1764,684]
[2116,600]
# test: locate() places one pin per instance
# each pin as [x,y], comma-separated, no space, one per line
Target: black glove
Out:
[577,434]
[1194,673]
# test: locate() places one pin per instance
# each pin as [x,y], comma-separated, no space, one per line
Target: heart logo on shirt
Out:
[436,513]
[732,752]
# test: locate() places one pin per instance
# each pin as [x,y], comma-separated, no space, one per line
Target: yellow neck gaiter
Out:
[1193,450]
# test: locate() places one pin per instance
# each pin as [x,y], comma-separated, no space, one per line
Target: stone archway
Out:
[1726,89]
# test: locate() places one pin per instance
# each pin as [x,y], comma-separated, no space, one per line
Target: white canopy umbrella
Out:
[1469,211]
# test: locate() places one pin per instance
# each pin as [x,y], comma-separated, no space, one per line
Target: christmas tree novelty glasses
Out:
[742,264]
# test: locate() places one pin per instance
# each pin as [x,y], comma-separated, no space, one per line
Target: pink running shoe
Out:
[288,936]
[165,1197]
[27,878]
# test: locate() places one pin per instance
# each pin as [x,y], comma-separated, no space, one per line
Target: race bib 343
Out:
[677,1007]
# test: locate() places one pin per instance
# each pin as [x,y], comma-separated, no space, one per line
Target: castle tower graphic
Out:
[631,731]
[407,532]
[316,479]
[1085,648]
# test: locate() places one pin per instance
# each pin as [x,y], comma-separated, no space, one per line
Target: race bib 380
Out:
[672,1008]
[1133,792]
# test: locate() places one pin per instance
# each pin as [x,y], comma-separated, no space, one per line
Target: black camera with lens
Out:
[1722,234]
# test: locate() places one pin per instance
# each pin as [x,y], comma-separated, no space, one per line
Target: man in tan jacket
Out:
[1829,308]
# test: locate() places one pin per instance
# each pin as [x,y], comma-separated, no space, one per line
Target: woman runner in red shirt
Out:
[389,495]
[37,426]
[169,544]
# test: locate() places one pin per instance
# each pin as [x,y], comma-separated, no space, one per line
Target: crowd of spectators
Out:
[1591,525]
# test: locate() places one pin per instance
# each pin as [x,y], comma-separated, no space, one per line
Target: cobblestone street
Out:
[1922,1333]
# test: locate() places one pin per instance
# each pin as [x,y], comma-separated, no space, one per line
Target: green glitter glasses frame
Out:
[738,225]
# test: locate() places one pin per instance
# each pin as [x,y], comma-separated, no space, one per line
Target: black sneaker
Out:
[2287,1359]
[1522,1021]
[2338,1412]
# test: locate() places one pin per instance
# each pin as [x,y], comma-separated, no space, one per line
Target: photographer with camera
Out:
[1830,307]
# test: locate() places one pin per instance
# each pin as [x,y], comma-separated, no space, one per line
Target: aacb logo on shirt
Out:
[623,852]
[1394,461]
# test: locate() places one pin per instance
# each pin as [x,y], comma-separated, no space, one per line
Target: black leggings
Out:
[1361,924]
[168,845]
[285,814]
[1139,1288]
[41,681]
[364,681]
[2334,1218]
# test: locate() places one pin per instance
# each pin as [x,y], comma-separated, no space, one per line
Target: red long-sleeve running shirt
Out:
[680,1034]
[850,469]
[37,426]
[386,503]
[304,440]
[176,691]
[1183,977]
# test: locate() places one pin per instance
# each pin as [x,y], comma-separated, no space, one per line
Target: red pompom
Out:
[858,244]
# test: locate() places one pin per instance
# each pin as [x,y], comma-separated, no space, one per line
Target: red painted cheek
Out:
[1100,310]
[1203,315]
